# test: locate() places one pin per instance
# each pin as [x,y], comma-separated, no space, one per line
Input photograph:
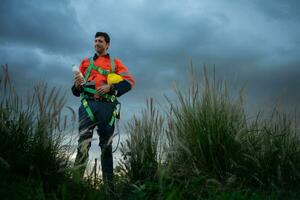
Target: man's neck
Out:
[96,55]
[102,54]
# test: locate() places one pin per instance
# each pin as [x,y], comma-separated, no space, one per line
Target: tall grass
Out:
[212,144]
[204,130]
[34,151]
[141,158]
[32,134]
[273,150]
[204,147]
[212,137]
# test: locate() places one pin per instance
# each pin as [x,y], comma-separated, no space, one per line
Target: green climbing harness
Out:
[109,98]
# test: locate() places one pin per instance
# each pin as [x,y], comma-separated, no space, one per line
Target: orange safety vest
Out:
[107,64]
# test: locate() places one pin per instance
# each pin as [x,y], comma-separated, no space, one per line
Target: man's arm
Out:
[128,80]
[121,88]
[76,91]
[76,88]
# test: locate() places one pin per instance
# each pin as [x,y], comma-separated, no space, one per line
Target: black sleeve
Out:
[75,91]
[122,87]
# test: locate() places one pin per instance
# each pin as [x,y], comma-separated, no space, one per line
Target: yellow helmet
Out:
[113,78]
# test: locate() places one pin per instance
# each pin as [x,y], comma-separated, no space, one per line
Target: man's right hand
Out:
[78,80]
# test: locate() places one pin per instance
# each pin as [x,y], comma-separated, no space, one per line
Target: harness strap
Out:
[113,118]
[113,66]
[88,71]
[116,114]
[99,69]
[111,98]
[87,108]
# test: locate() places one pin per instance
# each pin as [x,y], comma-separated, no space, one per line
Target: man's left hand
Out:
[104,89]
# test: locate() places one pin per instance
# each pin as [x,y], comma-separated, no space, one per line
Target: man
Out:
[98,106]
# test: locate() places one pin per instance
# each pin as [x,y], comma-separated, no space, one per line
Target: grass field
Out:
[200,146]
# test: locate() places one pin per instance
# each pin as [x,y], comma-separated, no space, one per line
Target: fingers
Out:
[78,80]
[77,84]
[104,89]
[101,90]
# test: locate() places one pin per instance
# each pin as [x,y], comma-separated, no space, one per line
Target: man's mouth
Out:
[98,48]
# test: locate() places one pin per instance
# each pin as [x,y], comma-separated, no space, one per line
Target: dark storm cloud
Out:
[238,38]
[33,66]
[49,25]
[279,10]
[253,42]
[40,40]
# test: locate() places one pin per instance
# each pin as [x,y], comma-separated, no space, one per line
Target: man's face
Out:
[101,45]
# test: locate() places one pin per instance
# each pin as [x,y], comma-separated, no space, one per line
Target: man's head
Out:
[102,41]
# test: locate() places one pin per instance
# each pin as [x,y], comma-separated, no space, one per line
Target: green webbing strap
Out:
[113,66]
[87,108]
[98,69]
[101,71]
[88,71]
[112,98]
[91,115]
[116,114]
[113,118]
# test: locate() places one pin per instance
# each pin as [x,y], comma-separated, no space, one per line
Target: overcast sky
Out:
[250,41]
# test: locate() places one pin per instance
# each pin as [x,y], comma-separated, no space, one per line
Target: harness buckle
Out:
[85,104]
[118,111]
[113,98]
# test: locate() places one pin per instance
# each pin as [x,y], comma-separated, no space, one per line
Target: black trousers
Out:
[103,112]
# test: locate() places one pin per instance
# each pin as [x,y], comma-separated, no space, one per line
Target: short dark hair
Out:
[103,34]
